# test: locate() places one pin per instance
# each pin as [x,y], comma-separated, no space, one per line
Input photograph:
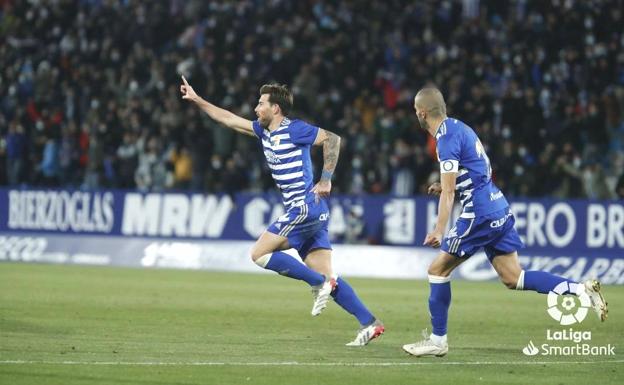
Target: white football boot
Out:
[321,295]
[367,334]
[427,347]
[592,288]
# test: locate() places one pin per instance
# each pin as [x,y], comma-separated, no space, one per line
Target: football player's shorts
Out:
[494,232]
[305,226]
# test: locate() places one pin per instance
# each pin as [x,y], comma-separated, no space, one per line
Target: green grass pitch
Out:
[95,325]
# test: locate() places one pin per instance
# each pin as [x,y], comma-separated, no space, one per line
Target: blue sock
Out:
[439,302]
[543,282]
[345,296]
[288,266]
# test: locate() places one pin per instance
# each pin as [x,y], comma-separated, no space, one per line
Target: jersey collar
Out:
[284,123]
[442,124]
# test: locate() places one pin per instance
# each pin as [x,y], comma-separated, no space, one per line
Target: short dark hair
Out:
[278,94]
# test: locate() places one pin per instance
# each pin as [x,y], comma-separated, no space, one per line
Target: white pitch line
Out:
[294,363]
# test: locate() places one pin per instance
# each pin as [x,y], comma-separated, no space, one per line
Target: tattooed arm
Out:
[331,150]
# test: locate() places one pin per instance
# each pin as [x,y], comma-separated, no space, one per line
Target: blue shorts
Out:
[494,232]
[305,227]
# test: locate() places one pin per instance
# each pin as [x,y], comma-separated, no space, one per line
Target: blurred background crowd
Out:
[89,90]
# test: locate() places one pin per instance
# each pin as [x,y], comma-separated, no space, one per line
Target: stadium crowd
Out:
[89,90]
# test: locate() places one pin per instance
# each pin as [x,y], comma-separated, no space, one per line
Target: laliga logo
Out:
[568,305]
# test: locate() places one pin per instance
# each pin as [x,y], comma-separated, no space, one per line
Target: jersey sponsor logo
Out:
[324,217]
[500,222]
[495,196]
[271,157]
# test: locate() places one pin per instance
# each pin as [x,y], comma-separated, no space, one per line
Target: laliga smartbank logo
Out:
[568,343]
[568,310]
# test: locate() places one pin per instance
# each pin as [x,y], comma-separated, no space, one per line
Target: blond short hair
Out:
[431,100]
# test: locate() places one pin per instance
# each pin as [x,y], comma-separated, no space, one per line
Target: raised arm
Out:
[331,151]
[221,115]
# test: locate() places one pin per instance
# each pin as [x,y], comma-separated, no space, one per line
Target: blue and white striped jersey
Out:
[287,151]
[460,150]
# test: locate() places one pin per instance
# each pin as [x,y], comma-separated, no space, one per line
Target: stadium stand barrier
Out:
[374,235]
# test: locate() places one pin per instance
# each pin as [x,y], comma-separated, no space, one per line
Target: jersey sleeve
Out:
[449,150]
[257,128]
[304,133]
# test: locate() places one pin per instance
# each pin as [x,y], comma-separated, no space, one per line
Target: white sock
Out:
[263,261]
[438,340]
[520,283]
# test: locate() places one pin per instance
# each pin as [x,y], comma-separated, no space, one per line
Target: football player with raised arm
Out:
[485,222]
[286,144]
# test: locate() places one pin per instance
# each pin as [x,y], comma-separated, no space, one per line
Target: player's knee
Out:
[437,271]
[510,281]
[258,257]
[255,254]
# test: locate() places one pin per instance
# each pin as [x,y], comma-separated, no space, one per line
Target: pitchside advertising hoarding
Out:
[575,238]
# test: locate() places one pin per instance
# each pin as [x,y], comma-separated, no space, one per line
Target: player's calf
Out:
[288,266]
[510,281]
[508,269]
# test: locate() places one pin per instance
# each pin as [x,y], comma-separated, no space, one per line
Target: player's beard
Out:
[264,122]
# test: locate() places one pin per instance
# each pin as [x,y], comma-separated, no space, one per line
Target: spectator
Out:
[95,162]
[69,155]
[15,152]
[127,160]
[151,172]
[49,167]
[619,189]
[182,167]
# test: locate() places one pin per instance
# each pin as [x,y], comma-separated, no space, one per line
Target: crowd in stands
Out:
[89,90]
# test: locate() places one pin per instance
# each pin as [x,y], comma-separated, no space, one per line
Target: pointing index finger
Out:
[184,80]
